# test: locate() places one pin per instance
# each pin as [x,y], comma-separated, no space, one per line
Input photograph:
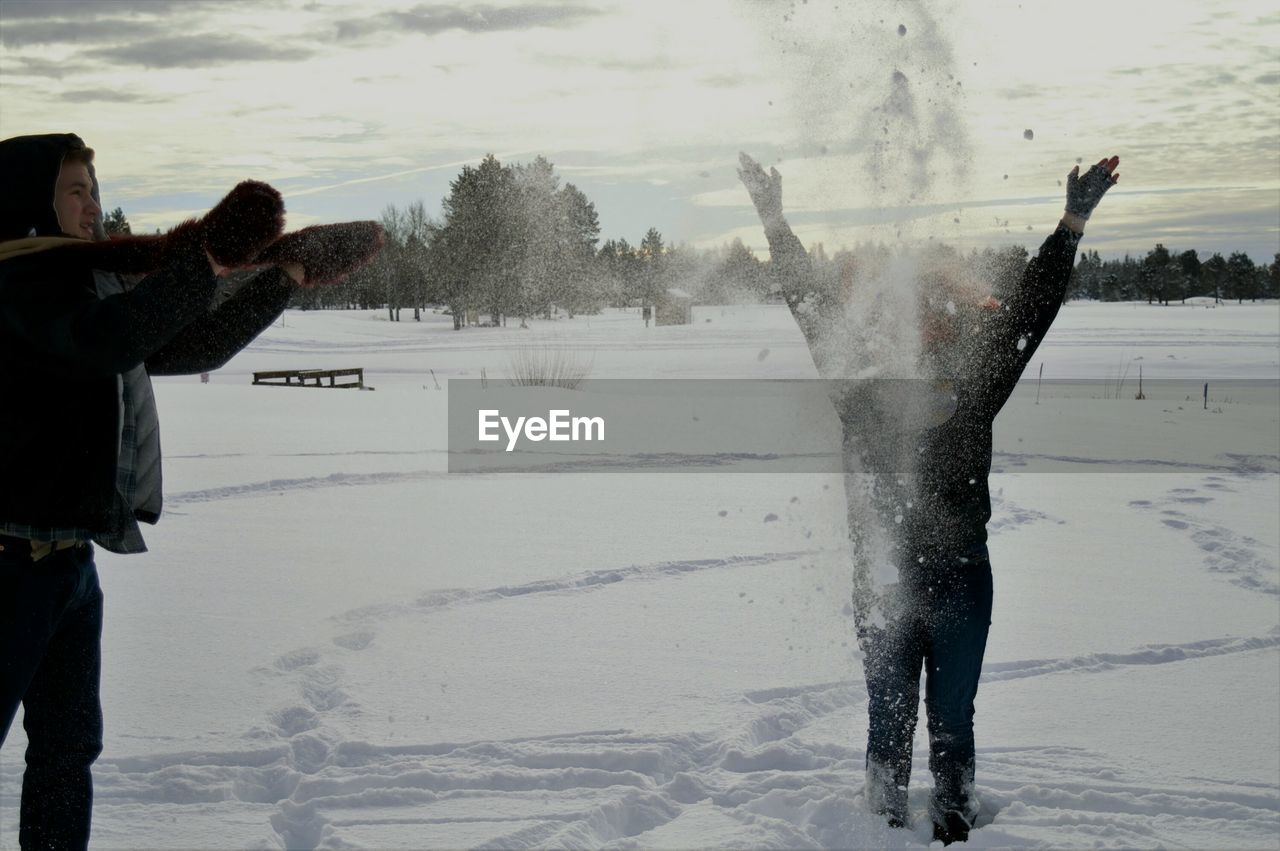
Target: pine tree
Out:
[116,224]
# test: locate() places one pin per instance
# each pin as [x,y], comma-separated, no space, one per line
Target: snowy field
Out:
[334,643]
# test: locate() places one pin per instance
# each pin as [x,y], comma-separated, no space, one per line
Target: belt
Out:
[34,547]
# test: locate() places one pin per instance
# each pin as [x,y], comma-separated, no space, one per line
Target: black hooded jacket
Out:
[930,470]
[75,342]
[928,484]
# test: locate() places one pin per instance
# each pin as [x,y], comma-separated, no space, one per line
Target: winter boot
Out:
[886,794]
[951,827]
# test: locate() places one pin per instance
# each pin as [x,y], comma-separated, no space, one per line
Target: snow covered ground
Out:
[334,643]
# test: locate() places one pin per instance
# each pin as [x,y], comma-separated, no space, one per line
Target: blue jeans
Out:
[940,620]
[51,634]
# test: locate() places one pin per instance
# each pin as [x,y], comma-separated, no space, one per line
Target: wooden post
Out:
[1038,380]
[1206,395]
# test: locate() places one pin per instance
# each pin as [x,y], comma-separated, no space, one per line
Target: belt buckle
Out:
[40,549]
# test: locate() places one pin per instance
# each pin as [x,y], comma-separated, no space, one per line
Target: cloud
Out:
[108,96]
[34,66]
[1022,91]
[33,32]
[198,51]
[95,9]
[1221,78]
[649,62]
[724,81]
[438,18]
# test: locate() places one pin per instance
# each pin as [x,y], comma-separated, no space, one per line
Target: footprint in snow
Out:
[354,640]
[295,659]
[1225,551]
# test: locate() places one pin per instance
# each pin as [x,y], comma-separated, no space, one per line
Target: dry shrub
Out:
[549,366]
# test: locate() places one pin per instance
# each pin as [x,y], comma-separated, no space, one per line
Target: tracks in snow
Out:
[785,776]
[1240,558]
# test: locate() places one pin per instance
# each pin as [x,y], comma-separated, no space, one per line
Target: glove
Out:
[1084,193]
[765,189]
[249,219]
[327,253]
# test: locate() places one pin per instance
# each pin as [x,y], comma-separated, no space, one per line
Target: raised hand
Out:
[229,236]
[1084,192]
[243,223]
[765,189]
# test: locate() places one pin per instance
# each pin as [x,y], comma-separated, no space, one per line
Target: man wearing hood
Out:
[79,433]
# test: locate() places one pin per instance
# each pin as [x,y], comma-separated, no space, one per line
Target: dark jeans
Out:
[51,632]
[939,619]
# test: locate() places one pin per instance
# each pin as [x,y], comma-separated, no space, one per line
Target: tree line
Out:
[513,242]
[1163,276]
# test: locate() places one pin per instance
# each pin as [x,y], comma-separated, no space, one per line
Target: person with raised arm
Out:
[928,486]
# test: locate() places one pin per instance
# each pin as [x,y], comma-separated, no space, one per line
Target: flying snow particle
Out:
[1006,177]
[770,517]
[902,29]
[1028,134]
[723,513]
[764,353]
[1022,343]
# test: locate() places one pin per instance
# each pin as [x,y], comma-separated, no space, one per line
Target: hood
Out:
[29,167]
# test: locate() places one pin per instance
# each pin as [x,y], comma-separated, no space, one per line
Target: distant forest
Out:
[513,242]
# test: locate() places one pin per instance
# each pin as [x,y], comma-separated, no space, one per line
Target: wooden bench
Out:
[310,378]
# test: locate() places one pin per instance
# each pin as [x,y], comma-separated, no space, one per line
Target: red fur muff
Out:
[327,253]
[234,232]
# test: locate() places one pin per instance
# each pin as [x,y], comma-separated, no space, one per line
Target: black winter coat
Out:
[64,346]
[62,350]
[930,484]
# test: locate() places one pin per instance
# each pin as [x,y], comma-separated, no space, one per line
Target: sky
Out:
[888,119]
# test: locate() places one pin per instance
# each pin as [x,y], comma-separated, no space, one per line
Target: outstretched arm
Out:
[212,339]
[314,256]
[1015,332]
[51,302]
[788,259]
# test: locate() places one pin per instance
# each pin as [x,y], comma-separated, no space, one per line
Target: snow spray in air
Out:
[876,101]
